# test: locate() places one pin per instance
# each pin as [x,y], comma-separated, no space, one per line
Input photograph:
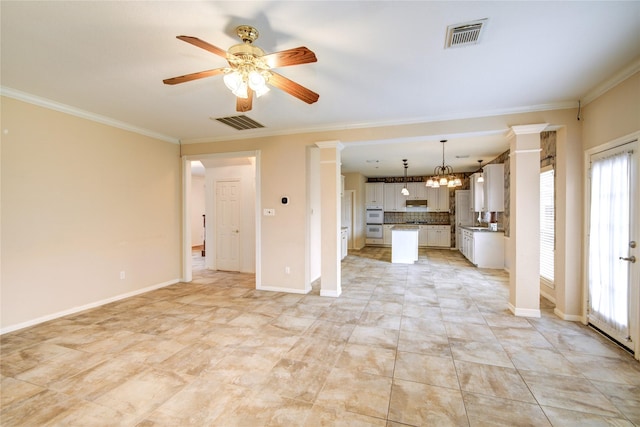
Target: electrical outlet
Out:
[269,212]
[287,270]
[122,275]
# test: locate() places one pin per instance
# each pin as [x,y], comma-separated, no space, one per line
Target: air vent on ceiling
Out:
[241,122]
[464,34]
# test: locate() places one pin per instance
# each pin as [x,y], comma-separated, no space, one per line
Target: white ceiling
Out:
[379,63]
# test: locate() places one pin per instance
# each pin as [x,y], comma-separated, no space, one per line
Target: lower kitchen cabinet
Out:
[386,234]
[485,249]
[438,236]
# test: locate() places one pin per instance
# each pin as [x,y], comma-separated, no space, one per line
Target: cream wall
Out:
[614,114]
[81,202]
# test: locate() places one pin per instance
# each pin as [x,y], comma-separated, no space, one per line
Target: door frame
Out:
[635,136]
[187,264]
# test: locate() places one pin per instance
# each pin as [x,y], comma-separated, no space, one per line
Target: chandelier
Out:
[443,175]
[405,190]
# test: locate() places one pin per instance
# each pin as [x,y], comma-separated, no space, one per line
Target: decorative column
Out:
[524,220]
[330,271]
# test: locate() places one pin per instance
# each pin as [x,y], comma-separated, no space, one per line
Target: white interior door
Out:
[613,278]
[228,225]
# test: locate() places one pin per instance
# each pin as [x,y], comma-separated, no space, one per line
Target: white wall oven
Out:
[374,231]
[375,215]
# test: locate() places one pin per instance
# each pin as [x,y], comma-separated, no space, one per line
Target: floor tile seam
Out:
[610,400]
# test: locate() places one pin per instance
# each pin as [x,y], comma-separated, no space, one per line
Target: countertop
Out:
[405,227]
[414,223]
[482,229]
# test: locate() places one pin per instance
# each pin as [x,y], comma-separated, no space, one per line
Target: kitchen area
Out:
[468,218]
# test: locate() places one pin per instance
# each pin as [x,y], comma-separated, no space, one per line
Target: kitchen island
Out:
[404,244]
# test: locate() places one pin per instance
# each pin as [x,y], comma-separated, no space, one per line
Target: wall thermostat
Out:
[284,200]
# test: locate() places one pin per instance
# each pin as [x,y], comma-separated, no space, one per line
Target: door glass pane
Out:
[608,241]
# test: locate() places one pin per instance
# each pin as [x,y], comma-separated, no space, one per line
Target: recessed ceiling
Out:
[379,63]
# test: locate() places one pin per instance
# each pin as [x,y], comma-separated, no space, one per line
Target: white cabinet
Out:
[394,200]
[485,249]
[493,188]
[439,236]
[386,234]
[344,242]
[374,194]
[438,199]
[422,235]
[477,194]
[417,191]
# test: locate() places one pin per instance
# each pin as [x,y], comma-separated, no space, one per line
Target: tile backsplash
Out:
[441,218]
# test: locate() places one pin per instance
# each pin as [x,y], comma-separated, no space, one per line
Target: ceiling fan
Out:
[250,69]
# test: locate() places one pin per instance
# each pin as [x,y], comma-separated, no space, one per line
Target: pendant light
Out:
[443,175]
[405,191]
[481,176]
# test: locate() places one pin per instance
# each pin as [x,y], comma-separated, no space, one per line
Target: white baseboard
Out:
[524,312]
[568,317]
[334,294]
[547,296]
[286,290]
[85,307]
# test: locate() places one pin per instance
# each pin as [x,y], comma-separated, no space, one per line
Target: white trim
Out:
[329,293]
[68,109]
[533,150]
[380,123]
[285,290]
[527,129]
[524,312]
[568,317]
[86,307]
[548,296]
[611,82]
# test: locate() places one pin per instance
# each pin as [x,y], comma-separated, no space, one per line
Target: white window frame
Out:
[544,280]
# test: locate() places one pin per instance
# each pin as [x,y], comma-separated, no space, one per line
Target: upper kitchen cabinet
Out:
[477,193]
[394,201]
[494,188]
[437,199]
[374,194]
[417,191]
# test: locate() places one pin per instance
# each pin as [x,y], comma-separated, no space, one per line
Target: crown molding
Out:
[612,82]
[364,125]
[67,109]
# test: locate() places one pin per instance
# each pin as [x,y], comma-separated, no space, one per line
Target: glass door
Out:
[613,237]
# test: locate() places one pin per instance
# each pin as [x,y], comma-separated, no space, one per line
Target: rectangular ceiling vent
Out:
[241,122]
[464,34]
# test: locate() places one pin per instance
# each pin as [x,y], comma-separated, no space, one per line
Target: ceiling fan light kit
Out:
[249,69]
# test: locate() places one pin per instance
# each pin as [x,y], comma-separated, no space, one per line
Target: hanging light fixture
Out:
[405,190]
[481,176]
[249,70]
[443,175]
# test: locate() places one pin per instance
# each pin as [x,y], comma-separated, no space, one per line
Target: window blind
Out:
[547,226]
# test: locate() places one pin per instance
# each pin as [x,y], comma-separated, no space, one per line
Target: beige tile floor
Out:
[426,344]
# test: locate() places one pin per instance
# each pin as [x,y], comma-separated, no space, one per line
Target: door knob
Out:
[632,259]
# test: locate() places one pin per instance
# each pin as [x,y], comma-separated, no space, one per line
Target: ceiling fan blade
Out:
[293,88]
[193,76]
[299,55]
[203,45]
[244,104]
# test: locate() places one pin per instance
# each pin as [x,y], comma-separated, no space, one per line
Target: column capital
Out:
[330,144]
[526,129]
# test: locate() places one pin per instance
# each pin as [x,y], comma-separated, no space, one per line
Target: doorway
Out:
[613,280]
[232,223]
